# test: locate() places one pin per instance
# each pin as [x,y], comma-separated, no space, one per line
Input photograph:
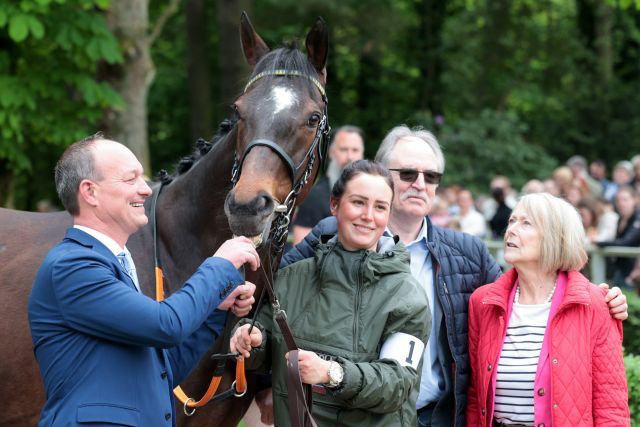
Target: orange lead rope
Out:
[239,386]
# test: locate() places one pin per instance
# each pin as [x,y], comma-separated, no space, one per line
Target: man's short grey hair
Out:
[77,163]
[400,132]
[563,237]
[348,129]
[577,161]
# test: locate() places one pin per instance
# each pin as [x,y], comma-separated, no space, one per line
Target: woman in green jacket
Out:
[357,314]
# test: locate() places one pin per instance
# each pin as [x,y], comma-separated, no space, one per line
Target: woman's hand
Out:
[313,369]
[242,342]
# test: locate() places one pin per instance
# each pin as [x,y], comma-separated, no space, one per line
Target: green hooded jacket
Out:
[344,305]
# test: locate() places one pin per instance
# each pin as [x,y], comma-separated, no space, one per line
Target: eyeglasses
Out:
[410,175]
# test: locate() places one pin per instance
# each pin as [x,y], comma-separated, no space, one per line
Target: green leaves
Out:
[49,91]
[19,27]
[21,24]
[36,27]
[481,145]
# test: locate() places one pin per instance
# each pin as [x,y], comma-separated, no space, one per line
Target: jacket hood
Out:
[392,257]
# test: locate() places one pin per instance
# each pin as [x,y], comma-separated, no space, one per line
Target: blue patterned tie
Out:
[127,263]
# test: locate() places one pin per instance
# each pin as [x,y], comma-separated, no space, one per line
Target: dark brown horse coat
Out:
[191,220]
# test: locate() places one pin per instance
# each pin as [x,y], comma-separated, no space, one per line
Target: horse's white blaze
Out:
[283,98]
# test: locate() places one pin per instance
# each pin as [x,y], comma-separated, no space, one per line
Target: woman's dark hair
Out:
[356,168]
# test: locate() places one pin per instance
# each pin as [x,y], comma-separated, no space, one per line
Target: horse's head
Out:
[281,124]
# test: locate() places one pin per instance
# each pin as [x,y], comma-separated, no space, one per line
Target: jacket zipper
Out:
[356,306]
[449,309]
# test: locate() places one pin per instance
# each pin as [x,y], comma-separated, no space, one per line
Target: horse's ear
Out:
[252,44]
[318,47]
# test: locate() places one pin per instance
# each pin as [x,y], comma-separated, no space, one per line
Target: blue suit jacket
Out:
[108,354]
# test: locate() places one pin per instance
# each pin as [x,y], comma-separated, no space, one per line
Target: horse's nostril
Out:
[264,202]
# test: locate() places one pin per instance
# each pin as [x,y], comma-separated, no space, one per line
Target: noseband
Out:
[281,222]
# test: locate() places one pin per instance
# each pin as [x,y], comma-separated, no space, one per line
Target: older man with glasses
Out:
[449,265]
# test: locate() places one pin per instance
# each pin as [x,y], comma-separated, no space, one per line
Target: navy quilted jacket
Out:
[462,263]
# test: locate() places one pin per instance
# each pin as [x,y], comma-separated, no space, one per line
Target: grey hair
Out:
[348,129]
[401,132]
[77,163]
[563,237]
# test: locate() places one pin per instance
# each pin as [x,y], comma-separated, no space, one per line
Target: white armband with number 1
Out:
[403,348]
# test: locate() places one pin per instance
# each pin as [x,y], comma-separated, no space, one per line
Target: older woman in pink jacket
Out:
[544,349]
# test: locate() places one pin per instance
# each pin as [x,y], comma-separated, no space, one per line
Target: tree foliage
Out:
[47,73]
[49,92]
[516,83]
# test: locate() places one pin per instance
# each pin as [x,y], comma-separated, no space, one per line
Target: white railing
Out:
[597,257]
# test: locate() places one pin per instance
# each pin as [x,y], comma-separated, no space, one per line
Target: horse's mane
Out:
[201,149]
[288,57]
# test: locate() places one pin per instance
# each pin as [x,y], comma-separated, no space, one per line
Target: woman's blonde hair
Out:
[563,237]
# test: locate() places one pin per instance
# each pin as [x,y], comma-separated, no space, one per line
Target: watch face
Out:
[335,373]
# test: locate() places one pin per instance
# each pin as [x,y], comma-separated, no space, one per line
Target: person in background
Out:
[441,216]
[551,187]
[533,186]
[574,194]
[359,316]
[500,219]
[598,171]
[622,175]
[489,206]
[471,221]
[450,194]
[543,347]
[635,181]
[607,223]
[563,178]
[347,146]
[581,177]
[628,233]
[449,265]
[107,353]
[590,212]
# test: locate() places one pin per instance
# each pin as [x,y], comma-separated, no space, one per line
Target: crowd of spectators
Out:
[608,205]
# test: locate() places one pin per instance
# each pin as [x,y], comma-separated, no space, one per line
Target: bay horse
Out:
[264,160]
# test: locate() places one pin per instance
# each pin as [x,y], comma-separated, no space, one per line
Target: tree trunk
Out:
[496,49]
[129,21]
[233,66]
[603,42]
[199,71]
[6,186]
[431,14]
[595,22]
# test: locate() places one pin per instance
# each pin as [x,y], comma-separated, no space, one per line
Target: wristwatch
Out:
[336,374]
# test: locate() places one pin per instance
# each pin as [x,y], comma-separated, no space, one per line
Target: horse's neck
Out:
[190,211]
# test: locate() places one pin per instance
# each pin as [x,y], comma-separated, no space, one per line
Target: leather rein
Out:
[300,395]
[239,386]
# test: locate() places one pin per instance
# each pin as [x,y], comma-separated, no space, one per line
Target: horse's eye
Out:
[314,120]
[236,112]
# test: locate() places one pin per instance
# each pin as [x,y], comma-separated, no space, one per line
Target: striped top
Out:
[518,364]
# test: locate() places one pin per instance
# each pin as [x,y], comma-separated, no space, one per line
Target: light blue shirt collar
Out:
[422,235]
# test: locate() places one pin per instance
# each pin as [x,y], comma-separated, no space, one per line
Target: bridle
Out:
[299,394]
[300,400]
[280,224]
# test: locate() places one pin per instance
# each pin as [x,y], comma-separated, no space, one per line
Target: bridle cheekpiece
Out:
[280,224]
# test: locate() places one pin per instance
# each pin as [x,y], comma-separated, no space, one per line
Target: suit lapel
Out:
[91,242]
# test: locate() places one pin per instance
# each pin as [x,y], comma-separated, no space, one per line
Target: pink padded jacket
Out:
[582,362]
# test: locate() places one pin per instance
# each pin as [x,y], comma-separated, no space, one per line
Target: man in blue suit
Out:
[107,353]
